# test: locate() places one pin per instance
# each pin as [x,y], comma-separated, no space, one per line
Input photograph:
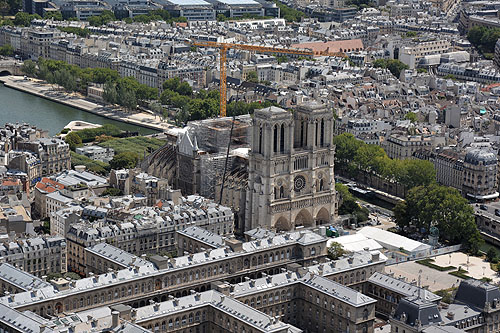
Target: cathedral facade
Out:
[290,173]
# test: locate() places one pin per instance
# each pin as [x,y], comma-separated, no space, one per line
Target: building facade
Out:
[290,173]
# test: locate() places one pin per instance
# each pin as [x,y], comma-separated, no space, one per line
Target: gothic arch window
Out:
[316,134]
[275,138]
[322,137]
[282,138]
[260,140]
[302,134]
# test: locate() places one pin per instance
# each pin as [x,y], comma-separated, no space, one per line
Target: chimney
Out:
[114,319]
[375,256]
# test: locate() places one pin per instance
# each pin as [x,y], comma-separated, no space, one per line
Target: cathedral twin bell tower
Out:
[290,174]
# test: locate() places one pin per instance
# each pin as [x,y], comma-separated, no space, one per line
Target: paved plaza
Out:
[431,278]
[476,267]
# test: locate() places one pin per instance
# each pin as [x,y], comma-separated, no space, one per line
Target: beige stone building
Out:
[39,256]
[290,172]
[403,147]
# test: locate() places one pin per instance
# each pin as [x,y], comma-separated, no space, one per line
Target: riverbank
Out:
[47,91]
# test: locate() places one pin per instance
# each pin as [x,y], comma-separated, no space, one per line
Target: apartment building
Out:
[38,256]
[480,175]
[42,188]
[449,166]
[54,154]
[411,55]
[146,230]
[402,147]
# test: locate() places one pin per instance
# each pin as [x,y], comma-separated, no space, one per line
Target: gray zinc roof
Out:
[402,287]
[20,278]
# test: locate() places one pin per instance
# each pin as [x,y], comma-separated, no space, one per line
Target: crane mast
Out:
[223,47]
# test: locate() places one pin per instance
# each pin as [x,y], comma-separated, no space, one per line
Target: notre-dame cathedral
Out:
[290,172]
[279,169]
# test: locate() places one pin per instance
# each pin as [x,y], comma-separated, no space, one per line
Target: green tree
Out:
[411,116]
[418,173]
[53,276]
[442,206]
[475,34]
[95,21]
[82,32]
[112,192]
[127,98]
[6,22]
[22,19]
[346,146]
[125,160]
[72,276]
[491,255]
[55,15]
[171,84]
[181,117]
[349,204]
[7,50]
[282,58]
[73,140]
[393,65]
[484,38]
[110,94]
[370,158]
[4,9]
[221,18]
[252,77]
[335,251]
[288,13]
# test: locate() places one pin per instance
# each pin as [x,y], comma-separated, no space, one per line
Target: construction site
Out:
[213,135]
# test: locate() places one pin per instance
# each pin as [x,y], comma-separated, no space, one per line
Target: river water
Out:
[17,106]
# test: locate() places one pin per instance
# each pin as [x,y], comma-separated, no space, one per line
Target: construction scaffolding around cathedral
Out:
[213,135]
[213,169]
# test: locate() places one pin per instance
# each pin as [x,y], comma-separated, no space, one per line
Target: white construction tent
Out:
[356,242]
[395,242]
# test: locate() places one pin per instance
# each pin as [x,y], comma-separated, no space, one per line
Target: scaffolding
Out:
[212,166]
[213,135]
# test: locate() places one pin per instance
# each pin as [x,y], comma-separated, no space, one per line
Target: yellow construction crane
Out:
[223,47]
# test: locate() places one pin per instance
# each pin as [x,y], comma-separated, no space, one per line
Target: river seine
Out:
[19,107]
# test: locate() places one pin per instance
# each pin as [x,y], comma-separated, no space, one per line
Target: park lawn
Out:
[136,144]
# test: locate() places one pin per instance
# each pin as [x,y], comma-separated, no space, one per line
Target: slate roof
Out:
[416,309]
[249,315]
[477,293]
[20,278]
[402,287]
[204,236]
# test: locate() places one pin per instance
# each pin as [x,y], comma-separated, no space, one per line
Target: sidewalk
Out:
[47,91]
